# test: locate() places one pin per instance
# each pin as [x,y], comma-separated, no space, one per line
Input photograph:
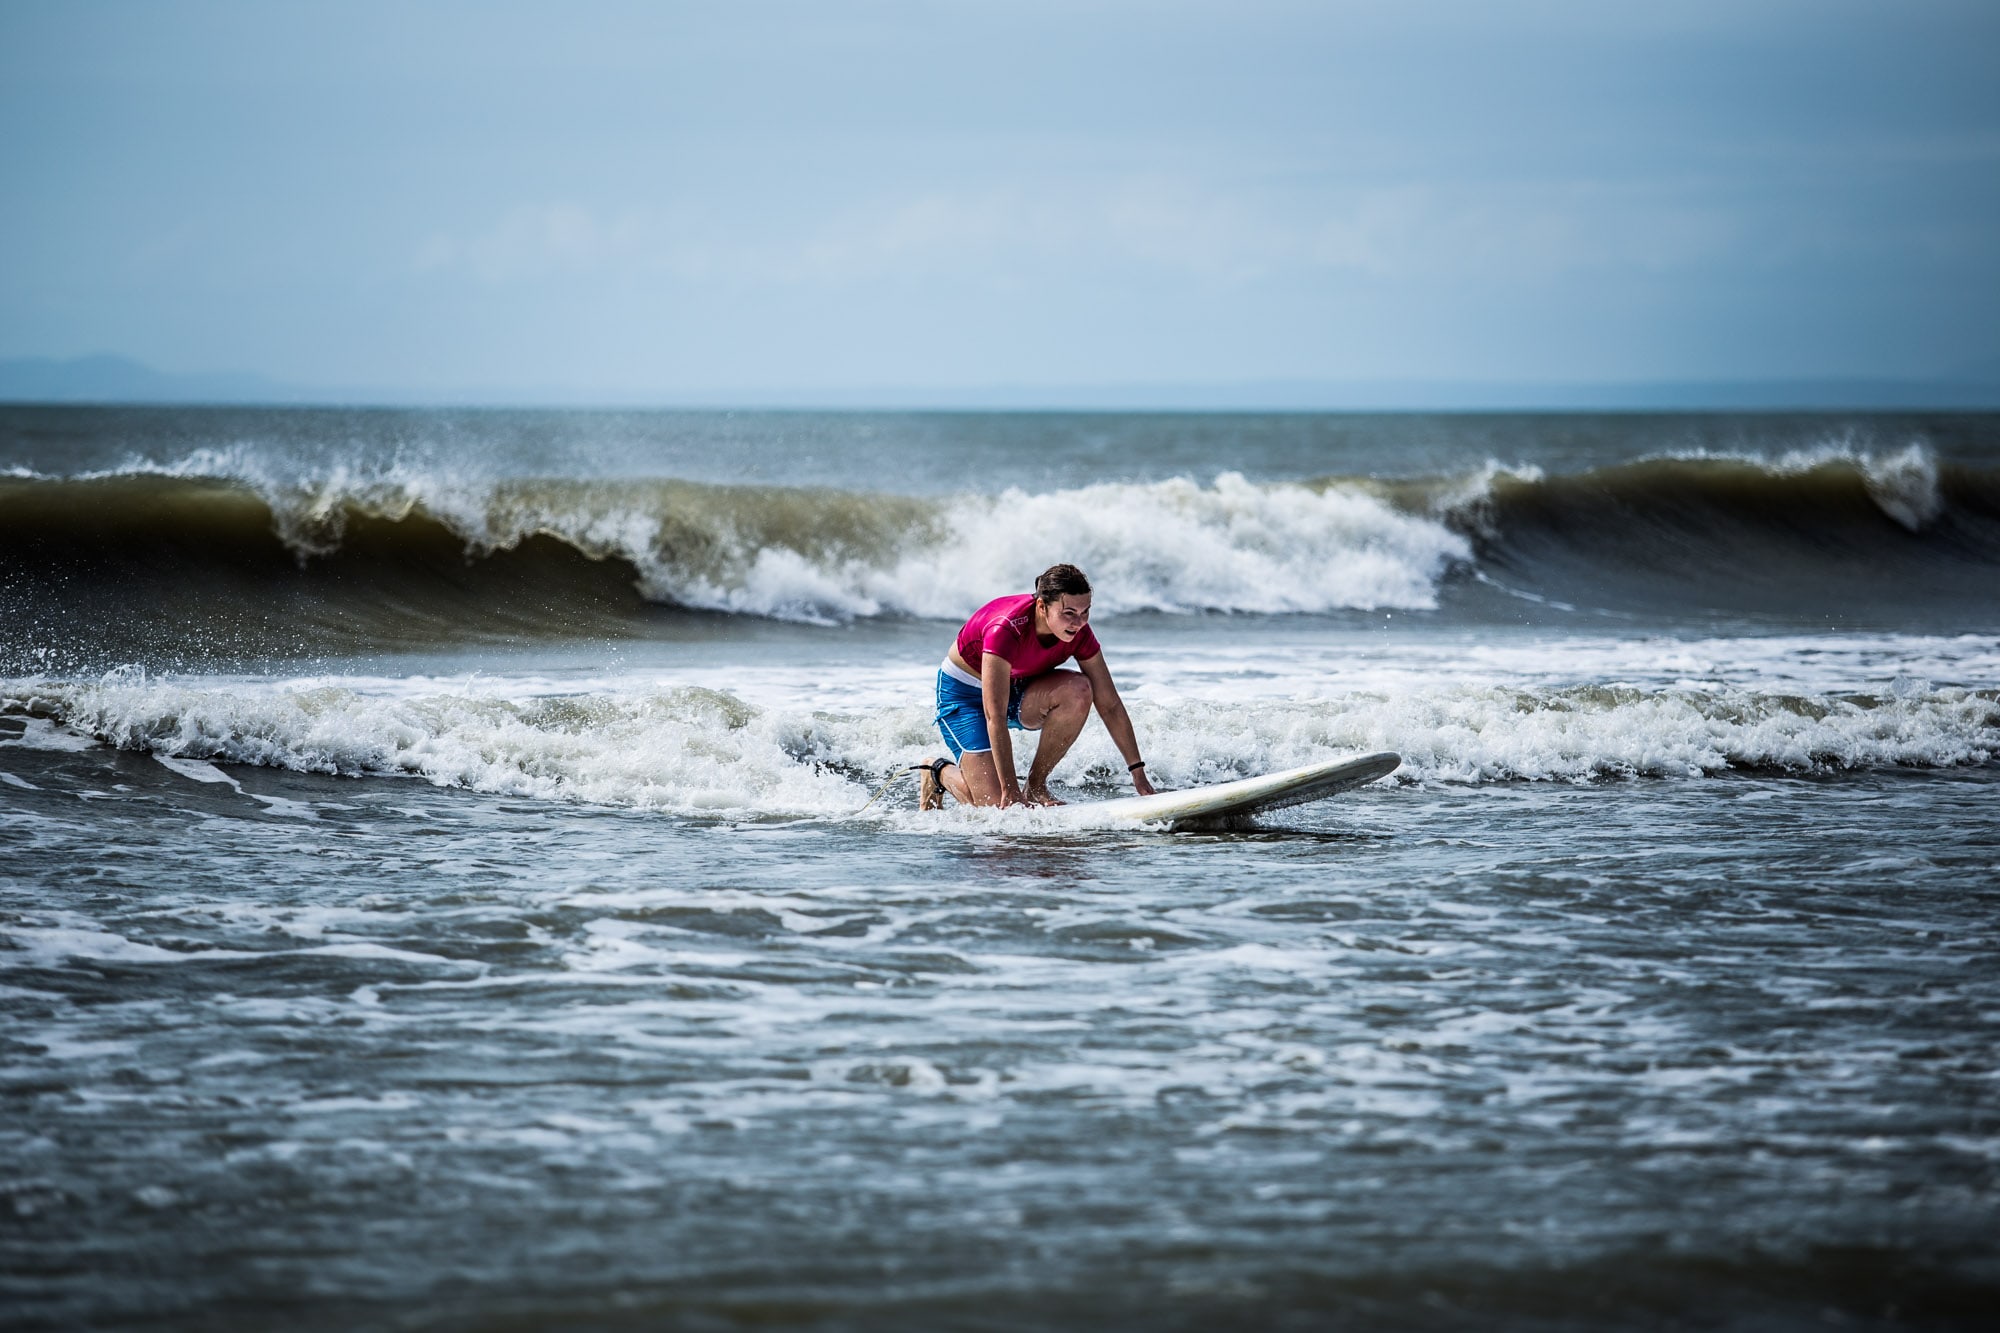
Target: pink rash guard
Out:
[1006,625]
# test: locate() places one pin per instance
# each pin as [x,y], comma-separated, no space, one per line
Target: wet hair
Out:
[1058,581]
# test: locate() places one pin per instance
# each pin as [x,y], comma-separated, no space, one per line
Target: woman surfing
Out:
[1001,671]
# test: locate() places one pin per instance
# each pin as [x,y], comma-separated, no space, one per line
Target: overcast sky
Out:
[717,199]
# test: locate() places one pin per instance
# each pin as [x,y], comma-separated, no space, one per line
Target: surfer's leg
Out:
[962,722]
[1056,705]
[974,780]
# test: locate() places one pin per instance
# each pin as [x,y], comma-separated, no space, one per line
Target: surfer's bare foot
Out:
[1038,796]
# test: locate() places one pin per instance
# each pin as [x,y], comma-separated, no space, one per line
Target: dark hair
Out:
[1058,580]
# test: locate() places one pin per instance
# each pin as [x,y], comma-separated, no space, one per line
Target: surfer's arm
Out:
[1111,708]
[996,691]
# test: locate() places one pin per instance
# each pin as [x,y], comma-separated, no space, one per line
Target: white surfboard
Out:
[1228,802]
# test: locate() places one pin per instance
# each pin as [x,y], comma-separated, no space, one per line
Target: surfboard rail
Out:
[1224,802]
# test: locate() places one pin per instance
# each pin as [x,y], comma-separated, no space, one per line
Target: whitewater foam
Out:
[698,751]
[1905,485]
[1172,545]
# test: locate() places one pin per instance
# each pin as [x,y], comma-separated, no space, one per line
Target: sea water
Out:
[440,887]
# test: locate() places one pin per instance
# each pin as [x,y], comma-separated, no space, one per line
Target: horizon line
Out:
[108,379]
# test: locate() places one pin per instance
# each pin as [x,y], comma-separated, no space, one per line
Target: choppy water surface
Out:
[1673,1045]
[393,937]
[1721,1047]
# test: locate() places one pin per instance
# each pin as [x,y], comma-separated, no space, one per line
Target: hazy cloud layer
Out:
[710,199]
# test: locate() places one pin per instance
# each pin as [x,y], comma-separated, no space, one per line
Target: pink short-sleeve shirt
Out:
[1006,625]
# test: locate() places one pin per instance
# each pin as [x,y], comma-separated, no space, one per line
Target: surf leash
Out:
[890,782]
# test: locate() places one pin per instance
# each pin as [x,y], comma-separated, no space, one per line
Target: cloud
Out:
[537,241]
[1517,230]
[1185,228]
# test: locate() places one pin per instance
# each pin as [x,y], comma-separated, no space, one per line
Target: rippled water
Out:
[436,890]
[296,1047]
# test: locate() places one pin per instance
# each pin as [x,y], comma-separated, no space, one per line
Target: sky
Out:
[718,201]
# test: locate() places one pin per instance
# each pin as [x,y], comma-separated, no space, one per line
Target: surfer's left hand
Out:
[1139,783]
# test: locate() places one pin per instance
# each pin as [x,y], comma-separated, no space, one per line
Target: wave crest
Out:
[210,556]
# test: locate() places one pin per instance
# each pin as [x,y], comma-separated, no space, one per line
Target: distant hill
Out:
[117,379]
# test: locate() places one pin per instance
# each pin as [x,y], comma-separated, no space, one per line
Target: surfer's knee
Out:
[1073,690]
[1060,693]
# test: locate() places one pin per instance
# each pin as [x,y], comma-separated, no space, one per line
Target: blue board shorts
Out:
[961,712]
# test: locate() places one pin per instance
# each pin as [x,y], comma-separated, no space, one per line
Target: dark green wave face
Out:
[190,571]
[1896,543]
[208,569]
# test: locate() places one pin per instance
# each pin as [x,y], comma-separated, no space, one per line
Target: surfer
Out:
[1001,672]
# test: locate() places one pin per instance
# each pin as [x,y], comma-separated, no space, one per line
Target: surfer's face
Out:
[1067,615]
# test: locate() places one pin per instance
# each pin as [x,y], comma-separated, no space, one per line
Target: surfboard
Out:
[1227,803]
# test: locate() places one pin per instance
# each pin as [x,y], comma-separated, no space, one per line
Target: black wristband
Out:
[1130,767]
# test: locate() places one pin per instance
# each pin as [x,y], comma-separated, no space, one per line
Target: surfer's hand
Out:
[1139,783]
[1010,794]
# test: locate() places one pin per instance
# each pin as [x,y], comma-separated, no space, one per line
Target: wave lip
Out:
[1827,536]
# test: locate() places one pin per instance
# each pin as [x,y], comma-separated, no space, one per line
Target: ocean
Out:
[440,887]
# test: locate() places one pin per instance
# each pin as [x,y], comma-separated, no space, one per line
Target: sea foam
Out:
[699,751]
[1163,546]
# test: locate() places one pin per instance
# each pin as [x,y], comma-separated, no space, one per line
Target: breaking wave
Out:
[138,557]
